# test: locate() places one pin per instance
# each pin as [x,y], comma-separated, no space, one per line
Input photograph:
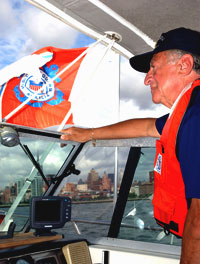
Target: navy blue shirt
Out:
[188,146]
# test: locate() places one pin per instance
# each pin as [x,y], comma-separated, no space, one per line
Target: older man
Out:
[173,73]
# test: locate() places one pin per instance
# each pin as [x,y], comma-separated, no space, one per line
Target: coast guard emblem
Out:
[42,91]
[158,164]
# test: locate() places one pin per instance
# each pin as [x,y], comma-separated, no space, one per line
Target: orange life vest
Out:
[170,206]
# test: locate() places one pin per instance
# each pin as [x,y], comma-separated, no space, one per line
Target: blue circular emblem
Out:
[42,91]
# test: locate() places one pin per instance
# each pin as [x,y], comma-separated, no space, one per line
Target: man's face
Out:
[162,79]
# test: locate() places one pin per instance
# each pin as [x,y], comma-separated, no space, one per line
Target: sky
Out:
[25,29]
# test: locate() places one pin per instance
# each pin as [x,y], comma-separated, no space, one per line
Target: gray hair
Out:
[179,53]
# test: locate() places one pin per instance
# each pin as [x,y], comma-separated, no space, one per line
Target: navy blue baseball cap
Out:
[180,38]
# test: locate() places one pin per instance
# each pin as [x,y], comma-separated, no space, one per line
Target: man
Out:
[173,70]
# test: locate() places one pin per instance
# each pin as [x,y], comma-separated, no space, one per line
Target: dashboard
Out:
[42,253]
[49,257]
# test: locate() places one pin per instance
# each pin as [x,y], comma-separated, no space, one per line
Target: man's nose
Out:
[147,79]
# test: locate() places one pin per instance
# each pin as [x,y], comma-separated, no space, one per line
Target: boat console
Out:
[26,248]
[46,213]
[49,212]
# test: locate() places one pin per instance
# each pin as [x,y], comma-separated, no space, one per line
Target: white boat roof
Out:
[134,20]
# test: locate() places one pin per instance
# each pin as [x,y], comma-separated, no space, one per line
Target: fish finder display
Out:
[47,210]
[50,212]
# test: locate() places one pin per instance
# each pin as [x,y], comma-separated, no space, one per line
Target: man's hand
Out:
[77,134]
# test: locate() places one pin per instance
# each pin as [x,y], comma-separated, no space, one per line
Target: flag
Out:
[87,93]
[48,107]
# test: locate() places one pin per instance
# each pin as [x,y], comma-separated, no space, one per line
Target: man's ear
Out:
[185,64]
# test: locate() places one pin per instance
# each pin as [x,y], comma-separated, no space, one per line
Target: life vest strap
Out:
[172,227]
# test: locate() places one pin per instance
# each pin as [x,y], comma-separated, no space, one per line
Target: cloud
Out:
[9,42]
[8,20]
[132,86]
[103,160]
[145,164]
[45,30]
[100,159]
[15,164]
[25,29]
[135,97]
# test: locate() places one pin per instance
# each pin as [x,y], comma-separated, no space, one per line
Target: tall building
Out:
[106,182]
[37,186]
[13,192]
[111,176]
[6,194]
[27,195]
[13,189]
[81,186]
[20,184]
[97,185]
[151,176]
[93,177]
[70,187]
[38,183]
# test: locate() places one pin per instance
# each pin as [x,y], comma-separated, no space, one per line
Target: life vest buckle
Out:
[166,231]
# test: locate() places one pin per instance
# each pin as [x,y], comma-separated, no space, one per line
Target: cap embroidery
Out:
[161,39]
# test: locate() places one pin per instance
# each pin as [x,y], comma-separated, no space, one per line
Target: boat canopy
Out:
[138,22]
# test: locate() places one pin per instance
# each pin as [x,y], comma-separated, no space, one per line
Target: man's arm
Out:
[191,235]
[132,128]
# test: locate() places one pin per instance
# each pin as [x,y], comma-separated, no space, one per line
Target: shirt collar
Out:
[179,97]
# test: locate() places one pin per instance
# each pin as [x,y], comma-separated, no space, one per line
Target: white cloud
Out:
[25,29]
[45,30]
[8,20]
[9,42]
[130,109]
[135,97]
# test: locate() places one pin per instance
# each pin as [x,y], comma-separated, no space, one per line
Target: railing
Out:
[102,222]
[74,221]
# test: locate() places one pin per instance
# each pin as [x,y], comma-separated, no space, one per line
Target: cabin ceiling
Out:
[152,17]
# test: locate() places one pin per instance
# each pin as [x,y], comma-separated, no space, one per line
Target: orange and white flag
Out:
[87,92]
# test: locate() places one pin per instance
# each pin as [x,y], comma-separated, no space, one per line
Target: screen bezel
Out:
[49,224]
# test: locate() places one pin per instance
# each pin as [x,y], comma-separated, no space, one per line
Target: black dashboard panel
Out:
[48,257]
[42,253]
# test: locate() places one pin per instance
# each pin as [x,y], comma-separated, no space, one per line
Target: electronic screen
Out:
[49,212]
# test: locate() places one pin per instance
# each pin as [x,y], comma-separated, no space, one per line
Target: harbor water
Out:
[93,220]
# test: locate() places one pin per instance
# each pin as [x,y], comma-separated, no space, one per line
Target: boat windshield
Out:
[94,187]
[20,180]
[93,192]
[138,222]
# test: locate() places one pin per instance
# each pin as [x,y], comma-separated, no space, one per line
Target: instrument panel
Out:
[49,257]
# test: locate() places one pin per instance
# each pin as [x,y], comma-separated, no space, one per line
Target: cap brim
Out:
[141,62]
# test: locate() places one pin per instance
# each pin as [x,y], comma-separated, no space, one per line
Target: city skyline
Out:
[93,187]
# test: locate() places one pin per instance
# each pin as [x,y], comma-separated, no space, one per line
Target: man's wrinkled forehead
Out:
[158,57]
